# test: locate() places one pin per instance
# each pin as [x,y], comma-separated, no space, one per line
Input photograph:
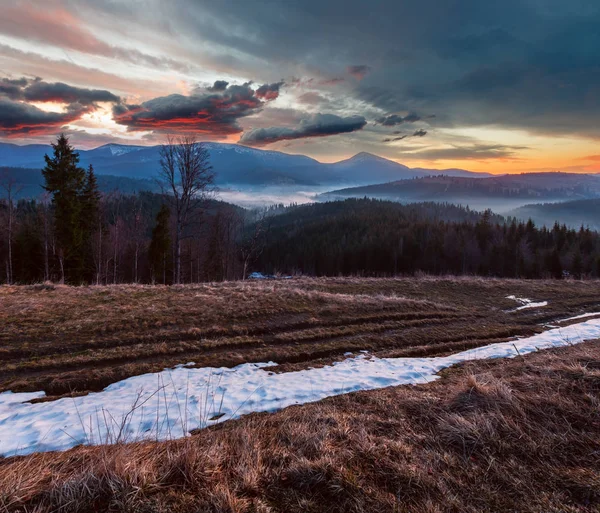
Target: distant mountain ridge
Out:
[575,214]
[235,165]
[501,193]
[29,183]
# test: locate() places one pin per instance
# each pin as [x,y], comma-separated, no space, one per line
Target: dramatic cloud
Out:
[218,86]
[37,90]
[494,70]
[58,92]
[61,27]
[19,118]
[359,71]
[395,119]
[12,88]
[213,112]
[318,125]
[419,133]
[269,91]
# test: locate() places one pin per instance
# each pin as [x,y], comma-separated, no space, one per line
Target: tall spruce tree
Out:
[91,222]
[65,181]
[159,252]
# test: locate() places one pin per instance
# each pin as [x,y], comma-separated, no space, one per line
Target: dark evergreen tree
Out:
[64,179]
[577,265]
[91,222]
[159,252]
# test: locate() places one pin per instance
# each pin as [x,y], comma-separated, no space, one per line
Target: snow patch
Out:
[582,316]
[527,303]
[120,149]
[171,403]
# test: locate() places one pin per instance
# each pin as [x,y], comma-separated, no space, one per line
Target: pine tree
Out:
[577,265]
[160,245]
[554,265]
[65,180]
[91,222]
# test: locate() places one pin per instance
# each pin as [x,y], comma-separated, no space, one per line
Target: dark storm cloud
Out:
[359,71]
[40,91]
[36,90]
[214,113]
[19,118]
[419,133]
[394,119]
[318,125]
[528,64]
[218,86]
[269,91]
[12,88]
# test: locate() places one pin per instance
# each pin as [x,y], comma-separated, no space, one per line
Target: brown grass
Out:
[506,435]
[78,339]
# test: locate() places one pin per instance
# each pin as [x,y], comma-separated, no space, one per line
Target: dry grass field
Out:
[502,435]
[72,340]
[520,435]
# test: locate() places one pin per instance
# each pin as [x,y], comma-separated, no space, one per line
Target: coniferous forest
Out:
[74,234]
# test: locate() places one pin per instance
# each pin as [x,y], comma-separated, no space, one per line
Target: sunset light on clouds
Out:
[434,83]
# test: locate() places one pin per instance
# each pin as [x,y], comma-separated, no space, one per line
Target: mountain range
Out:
[235,165]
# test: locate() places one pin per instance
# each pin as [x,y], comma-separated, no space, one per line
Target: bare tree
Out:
[253,243]
[9,185]
[98,240]
[186,177]
[44,209]
[138,236]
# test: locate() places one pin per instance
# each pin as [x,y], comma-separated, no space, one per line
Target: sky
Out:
[501,87]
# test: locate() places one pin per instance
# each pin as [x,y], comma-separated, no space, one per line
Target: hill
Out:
[500,193]
[572,213]
[370,237]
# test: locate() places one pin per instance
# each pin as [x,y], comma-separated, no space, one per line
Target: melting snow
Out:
[527,303]
[170,403]
[582,316]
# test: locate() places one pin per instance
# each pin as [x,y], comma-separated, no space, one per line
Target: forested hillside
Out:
[381,238]
[573,213]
